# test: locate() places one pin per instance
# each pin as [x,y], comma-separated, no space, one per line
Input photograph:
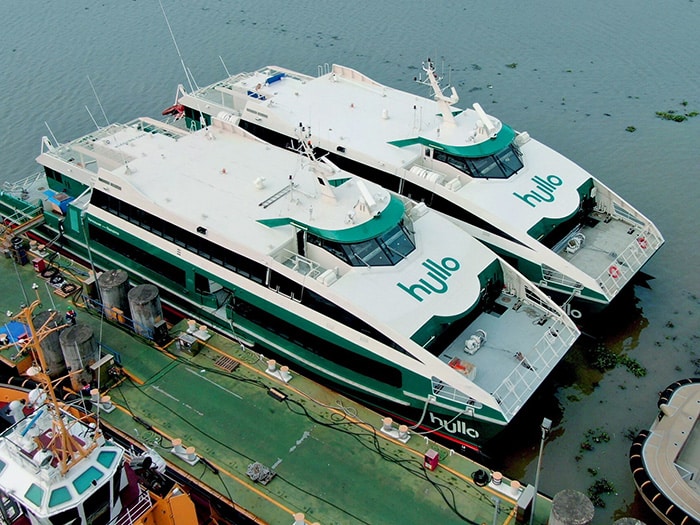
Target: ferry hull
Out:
[469,433]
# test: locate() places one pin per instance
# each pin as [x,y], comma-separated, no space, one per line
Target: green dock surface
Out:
[331,461]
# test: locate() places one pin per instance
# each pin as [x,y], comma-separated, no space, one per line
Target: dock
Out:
[273,445]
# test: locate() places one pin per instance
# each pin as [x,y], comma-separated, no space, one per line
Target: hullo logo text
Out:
[544,191]
[436,281]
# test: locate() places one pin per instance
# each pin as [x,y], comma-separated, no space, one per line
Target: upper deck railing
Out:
[527,375]
[629,261]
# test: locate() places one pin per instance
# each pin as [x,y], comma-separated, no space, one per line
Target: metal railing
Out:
[527,375]
[133,512]
[23,184]
[301,264]
[629,261]
[552,276]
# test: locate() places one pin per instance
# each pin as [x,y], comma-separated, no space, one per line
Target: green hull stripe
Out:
[383,222]
[484,149]
[546,224]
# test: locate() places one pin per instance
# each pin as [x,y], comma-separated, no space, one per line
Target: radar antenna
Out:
[321,167]
[444,102]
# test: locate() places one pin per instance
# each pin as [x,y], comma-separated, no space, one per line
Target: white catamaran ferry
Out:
[554,222]
[376,294]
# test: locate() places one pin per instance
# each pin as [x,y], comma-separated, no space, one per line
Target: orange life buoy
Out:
[614,272]
[642,243]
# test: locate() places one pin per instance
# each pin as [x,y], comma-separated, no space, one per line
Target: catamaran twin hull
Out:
[555,223]
[388,301]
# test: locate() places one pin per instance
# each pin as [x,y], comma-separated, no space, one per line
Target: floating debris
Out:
[631,433]
[512,65]
[631,129]
[696,364]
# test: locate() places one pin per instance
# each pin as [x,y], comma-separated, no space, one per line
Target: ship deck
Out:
[331,461]
[613,250]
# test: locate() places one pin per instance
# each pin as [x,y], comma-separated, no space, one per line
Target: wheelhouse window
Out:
[501,165]
[386,250]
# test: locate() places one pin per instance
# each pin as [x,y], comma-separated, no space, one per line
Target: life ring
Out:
[642,243]
[614,272]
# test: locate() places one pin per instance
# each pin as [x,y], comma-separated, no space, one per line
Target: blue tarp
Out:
[15,331]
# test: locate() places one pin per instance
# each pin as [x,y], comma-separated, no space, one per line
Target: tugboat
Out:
[57,467]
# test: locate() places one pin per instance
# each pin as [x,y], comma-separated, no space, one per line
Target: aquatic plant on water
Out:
[672,115]
[593,436]
[598,489]
[633,366]
[601,358]
[598,435]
